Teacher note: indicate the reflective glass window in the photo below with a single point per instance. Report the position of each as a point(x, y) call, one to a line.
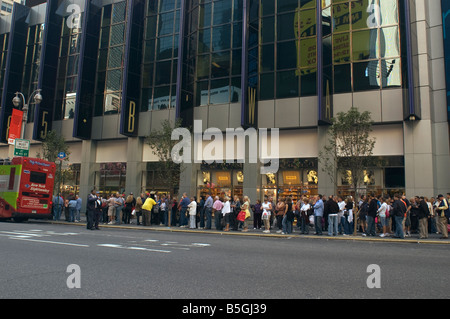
point(287, 55)
point(287, 84)
point(390, 42)
point(266, 86)
point(221, 37)
point(219, 92)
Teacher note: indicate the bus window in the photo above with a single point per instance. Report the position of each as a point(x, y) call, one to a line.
point(38, 177)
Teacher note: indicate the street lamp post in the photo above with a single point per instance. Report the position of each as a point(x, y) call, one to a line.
point(16, 102)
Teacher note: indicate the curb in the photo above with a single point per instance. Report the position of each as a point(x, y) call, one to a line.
point(231, 233)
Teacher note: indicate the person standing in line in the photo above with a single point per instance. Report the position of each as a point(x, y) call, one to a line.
point(442, 210)
point(348, 214)
point(58, 204)
point(78, 208)
point(226, 212)
point(362, 216)
point(127, 208)
point(246, 208)
point(147, 210)
point(111, 208)
point(208, 211)
point(183, 206)
point(217, 210)
point(174, 209)
point(414, 214)
point(318, 214)
point(382, 211)
point(333, 210)
point(280, 210)
point(72, 208)
point(407, 219)
point(97, 212)
point(192, 208)
point(341, 217)
point(267, 211)
point(66, 210)
point(118, 204)
point(164, 207)
point(201, 209)
point(288, 217)
point(431, 221)
point(399, 211)
point(423, 215)
point(138, 209)
point(90, 209)
point(236, 208)
point(257, 215)
point(371, 215)
point(304, 218)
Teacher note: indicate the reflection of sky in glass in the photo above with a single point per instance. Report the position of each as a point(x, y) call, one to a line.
point(389, 42)
point(388, 12)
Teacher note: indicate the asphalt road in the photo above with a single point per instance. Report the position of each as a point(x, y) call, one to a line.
point(145, 264)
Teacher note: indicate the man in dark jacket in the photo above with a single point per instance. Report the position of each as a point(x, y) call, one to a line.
point(371, 214)
point(332, 208)
point(422, 215)
point(90, 209)
point(399, 211)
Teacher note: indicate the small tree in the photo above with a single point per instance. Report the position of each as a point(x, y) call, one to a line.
point(349, 148)
point(162, 144)
point(53, 144)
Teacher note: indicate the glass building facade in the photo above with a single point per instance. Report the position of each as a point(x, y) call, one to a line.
point(126, 65)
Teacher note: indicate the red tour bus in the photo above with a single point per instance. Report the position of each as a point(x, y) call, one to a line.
point(26, 188)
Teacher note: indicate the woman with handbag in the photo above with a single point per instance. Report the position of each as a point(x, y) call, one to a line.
point(244, 214)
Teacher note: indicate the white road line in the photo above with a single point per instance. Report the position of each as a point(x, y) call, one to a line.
point(134, 248)
point(19, 233)
point(50, 242)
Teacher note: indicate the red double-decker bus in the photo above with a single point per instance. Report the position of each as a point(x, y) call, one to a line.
point(26, 188)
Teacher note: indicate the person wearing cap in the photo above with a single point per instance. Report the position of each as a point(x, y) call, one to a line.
point(442, 210)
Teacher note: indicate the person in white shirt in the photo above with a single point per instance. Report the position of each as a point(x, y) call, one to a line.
point(304, 218)
point(192, 207)
point(267, 209)
point(382, 215)
point(341, 217)
point(226, 212)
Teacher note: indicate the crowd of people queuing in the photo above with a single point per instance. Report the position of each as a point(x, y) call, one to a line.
point(371, 215)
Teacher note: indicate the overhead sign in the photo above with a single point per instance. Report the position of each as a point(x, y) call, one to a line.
point(21, 147)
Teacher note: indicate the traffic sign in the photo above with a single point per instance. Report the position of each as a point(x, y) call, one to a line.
point(21, 147)
point(61, 156)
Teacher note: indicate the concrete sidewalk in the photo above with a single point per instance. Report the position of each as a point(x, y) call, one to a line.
point(414, 238)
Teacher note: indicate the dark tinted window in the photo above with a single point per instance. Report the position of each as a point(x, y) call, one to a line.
point(38, 177)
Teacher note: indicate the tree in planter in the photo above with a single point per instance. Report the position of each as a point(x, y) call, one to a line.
point(161, 144)
point(53, 144)
point(349, 148)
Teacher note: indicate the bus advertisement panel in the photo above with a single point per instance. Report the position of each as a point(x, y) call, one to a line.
point(26, 187)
